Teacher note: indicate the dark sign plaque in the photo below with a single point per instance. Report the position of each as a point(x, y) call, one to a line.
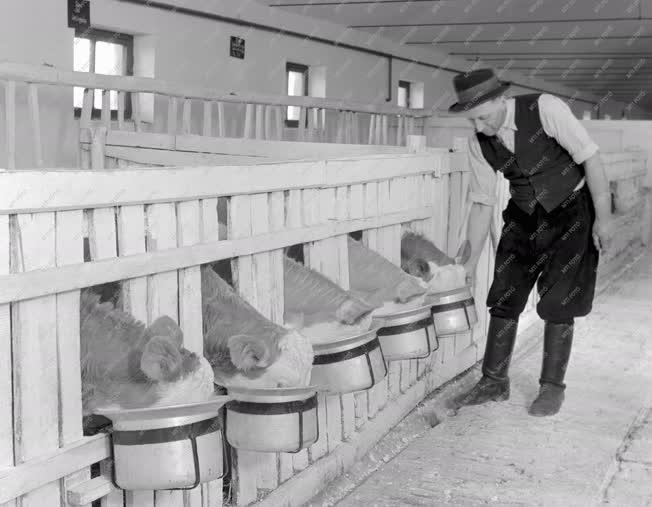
point(79, 13)
point(237, 47)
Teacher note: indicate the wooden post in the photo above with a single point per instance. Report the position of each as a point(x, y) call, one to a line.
point(221, 120)
point(106, 109)
point(131, 240)
point(10, 123)
point(36, 123)
point(135, 111)
point(208, 119)
point(172, 115)
point(249, 122)
point(186, 116)
point(6, 368)
point(98, 144)
point(260, 111)
point(34, 349)
point(121, 110)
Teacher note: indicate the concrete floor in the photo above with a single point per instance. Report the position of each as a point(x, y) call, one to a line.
point(596, 451)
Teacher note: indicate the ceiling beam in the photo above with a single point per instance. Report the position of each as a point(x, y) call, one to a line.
point(342, 4)
point(533, 38)
point(510, 22)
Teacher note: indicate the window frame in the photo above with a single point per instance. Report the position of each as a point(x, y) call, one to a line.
point(97, 35)
point(406, 85)
point(295, 67)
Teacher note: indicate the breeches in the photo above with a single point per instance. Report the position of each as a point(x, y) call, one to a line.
point(553, 249)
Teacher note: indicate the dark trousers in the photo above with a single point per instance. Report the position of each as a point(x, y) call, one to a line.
point(555, 250)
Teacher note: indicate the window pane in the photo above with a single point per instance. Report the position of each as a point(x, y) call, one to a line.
point(295, 83)
point(294, 113)
point(81, 63)
point(402, 97)
point(108, 60)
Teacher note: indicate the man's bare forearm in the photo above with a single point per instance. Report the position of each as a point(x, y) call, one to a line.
point(598, 183)
point(479, 220)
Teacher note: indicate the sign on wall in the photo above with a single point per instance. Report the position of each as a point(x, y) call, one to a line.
point(79, 13)
point(237, 47)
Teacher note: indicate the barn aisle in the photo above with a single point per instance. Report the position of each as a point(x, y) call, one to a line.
point(596, 451)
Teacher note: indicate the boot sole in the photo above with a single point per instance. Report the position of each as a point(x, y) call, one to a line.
point(497, 398)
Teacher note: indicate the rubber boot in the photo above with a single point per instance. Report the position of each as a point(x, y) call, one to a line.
point(557, 343)
point(494, 384)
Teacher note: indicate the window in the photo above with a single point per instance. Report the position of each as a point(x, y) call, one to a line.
point(403, 97)
point(103, 53)
point(297, 85)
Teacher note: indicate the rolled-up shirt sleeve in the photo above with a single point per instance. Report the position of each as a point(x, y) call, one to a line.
point(559, 122)
point(482, 186)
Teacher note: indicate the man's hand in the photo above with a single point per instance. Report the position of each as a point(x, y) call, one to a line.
point(469, 268)
point(600, 234)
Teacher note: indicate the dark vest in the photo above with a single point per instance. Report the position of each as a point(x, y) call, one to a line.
point(540, 170)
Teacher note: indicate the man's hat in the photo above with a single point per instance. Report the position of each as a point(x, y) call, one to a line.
point(475, 87)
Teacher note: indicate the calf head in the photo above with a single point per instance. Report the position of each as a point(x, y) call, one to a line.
point(243, 347)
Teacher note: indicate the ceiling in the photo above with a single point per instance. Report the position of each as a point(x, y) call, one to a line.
point(599, 46)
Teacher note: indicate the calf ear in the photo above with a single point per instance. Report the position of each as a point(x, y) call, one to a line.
point(161, 359)
point(165, 326)
point(249, 352)
point(464, 253)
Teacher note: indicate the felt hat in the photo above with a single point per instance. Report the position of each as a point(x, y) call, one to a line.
point(475, 87)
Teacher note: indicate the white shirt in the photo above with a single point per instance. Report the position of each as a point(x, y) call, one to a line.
point(558, 122)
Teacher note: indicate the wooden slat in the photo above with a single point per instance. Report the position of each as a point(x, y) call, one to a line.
point(301, 132)
point(35, 119)
point(131, 241)
point(268, 123)
point(207, 129)
point(121, 110)
point(221, 120)
point(249, 122)
point(10, 123)
point(190, 318)
point(259, 121)
point(362, 204)
point(36, 397)
point(186, 113)
point(372, 128)
point(279, 122)
point(261, 274)
point(209, 231)
point(245, 463)
point(60, 190)
point(6, 370)
point(69, 250)
point(106, 109)
point(135, 111)
point(172, 115)
point(385, 130)
point(87, 108)
point(102, 242)
point(294, 219)
point(163, 296)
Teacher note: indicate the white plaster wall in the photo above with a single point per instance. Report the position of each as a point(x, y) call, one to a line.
point(183, 48)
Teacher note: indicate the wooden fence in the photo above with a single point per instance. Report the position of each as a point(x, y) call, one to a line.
point(181, 108)
point(152, 228)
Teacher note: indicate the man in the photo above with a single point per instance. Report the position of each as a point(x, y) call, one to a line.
point(554, 225)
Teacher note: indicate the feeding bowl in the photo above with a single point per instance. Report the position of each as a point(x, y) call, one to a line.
point(453, 311)
point(347, 365)
point(272, 419)
point(167, 447)
point(407, 334)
